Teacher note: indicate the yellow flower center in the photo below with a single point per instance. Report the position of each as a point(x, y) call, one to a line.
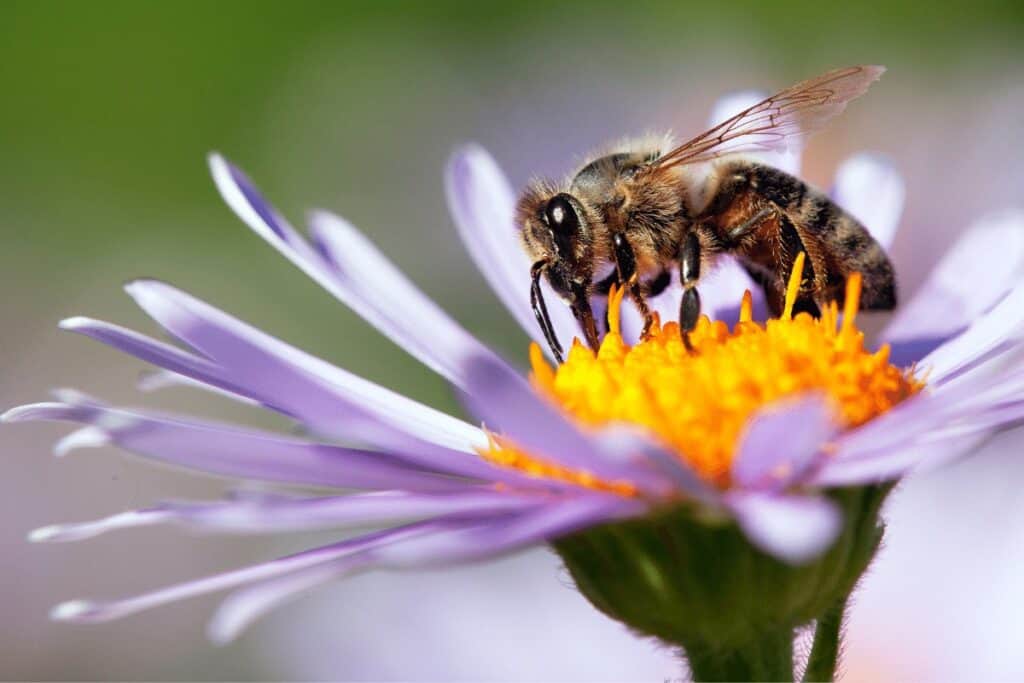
point(697, 403)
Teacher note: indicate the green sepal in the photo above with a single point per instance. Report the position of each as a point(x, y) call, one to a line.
point(696, 582)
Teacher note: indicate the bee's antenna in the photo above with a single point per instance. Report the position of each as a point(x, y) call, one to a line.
point(540, 309)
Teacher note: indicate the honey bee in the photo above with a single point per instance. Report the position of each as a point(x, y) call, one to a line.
point(649, 209)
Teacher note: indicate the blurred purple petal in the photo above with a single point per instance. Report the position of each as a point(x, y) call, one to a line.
point(889, 465)
point(155, 380)
point(976, 272)
point(781, 442)
point(674, 475)
point(482, 204)
point(302, 514)
point(794, 529)
point(491, 538)
point(88, 611)
point(245, 605)
point(507, 405)
point(316, 392)
point(721, 292)
point(1001, 328)
point(228, 450)
point(873, 191)
point(444, 546)
point(923, 428)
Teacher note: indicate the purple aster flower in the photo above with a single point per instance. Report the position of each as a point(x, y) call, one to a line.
point(599, 456)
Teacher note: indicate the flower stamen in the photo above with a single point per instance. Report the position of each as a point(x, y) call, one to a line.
point(698, 404)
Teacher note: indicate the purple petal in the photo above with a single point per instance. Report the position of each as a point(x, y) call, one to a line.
point(244, 606)
point(1001, 328)
point(508, 405)
point(318, 393)
point(781, 443)
point(348, 266)
point(489, 539)
point(443, 546)
point(82, 530)
point(926, 430)
point(302, 514)
point(721, 292)
point(630, 443)
point(794, 529)
point(89, 611)
point(245, 200)
point(156, 380)
point(873, 191)
point(376, 286)
point(231, 451)
point(482, 204)
point(976, 273)
point(895, 463)
point(734, 103)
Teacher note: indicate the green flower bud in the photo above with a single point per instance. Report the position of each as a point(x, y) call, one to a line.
point(695, 582)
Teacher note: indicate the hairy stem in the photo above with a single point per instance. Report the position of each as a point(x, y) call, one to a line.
point(821, 665)
point(770, 658)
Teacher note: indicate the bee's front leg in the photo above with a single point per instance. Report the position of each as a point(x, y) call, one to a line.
point(584, 314)
point(625, 266)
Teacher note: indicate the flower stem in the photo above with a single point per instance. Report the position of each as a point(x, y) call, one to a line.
point(828, 637)
point(768, 659)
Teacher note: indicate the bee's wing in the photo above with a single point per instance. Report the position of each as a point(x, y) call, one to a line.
point(772, 123)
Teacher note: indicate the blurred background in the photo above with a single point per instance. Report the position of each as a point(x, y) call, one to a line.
point(107, 111)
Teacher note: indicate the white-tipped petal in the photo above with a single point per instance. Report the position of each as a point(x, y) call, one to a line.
point(86, 437)
point(82, 530)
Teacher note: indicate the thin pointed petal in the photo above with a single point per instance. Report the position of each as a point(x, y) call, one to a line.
point(482, 204)
point(506, 404)
point(87, 611)
point(384, 297)
point(228, 450)
point(977, 272)
point(470, 543)
point(302, 514)
point(405, 313)
point(250, 362)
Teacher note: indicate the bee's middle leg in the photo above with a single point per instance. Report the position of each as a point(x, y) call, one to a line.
point(689, 274)
point(625, 266)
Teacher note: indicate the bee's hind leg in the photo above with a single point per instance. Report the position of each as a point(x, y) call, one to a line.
point(625, 266)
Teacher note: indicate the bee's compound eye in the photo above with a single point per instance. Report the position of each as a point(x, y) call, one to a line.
point(562, 216)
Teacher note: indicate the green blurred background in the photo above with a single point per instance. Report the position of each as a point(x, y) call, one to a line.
point(107, 110)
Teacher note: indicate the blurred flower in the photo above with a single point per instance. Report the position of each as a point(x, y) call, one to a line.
point(790, 428)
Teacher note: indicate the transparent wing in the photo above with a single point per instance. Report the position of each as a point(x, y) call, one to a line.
point(770, 125)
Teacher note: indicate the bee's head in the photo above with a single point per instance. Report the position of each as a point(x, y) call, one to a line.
point(555, 231)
